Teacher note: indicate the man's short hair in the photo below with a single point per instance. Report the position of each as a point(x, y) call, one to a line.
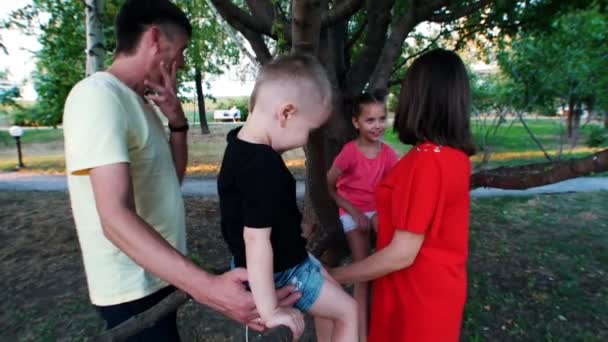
point(135, 16)
point(293, 67)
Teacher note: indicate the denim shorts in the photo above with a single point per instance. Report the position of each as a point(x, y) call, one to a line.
point(306, 277)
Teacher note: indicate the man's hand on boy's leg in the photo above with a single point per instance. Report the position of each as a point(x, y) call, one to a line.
point(288, 295)
point(227, 294)
point(289, 317)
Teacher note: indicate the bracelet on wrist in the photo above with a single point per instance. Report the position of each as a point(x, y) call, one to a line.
point(183, 128)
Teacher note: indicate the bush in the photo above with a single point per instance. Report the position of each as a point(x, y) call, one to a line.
point(33, 116)
point(597, 137)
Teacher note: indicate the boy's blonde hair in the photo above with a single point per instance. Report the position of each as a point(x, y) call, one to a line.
point(293, 68)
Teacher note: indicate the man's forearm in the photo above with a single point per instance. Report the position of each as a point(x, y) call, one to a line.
point(179, 150)
point(144, 245)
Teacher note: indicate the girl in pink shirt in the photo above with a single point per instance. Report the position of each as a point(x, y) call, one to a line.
point(352, 181)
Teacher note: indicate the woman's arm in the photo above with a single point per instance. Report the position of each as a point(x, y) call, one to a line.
point(399, 254)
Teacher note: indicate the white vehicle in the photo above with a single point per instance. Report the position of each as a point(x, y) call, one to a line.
point(232, 114)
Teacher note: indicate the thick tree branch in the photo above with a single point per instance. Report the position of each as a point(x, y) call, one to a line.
point(379, 17)
point(341, 12)
point(171, 303)
point(231, 31)
point(399, 31)
point(410, 57)
point(418, 13)
point(254, 37)
point(528, 176)
point(234, 14)
point(269, 15)
point(306, 26)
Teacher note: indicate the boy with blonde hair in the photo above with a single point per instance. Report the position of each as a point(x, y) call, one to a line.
point(261, 221)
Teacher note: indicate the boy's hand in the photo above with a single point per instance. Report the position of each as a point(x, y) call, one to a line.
point(289, 317)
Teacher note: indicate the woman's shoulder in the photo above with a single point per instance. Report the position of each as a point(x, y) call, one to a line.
point(434, 155)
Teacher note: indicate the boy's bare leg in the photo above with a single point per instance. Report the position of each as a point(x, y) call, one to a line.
point(358, 241)
point(323, 329)
point(337, 307)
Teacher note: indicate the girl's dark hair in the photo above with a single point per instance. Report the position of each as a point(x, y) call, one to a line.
point(365, 99)
point(435, 102)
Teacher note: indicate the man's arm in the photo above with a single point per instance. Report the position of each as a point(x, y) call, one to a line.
point(123, 227)
point(167, 101)
point(179, 150)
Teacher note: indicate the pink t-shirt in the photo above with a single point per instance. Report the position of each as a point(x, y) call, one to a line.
point(360, 174)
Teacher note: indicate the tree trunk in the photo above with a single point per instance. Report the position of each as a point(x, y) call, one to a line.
point(570, 118)
point(606, 119)
point(95, 49)
point(576, 124)
point(200, 99)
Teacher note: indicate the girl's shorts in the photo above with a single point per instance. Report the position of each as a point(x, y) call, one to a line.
point(349, 224)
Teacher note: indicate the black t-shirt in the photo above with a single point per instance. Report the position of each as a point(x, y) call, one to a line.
point(257, 190)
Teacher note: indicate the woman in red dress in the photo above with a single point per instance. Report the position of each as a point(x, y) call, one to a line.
point(423, 210)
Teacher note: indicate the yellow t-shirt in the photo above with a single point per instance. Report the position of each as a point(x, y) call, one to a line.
point(106, 122)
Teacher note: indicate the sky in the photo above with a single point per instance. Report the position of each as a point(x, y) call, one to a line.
point(20, 61)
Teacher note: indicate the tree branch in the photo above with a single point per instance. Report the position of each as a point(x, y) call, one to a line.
point(234, 14)
point(399, 31)
point(342, 11)
point(268, 14)
point(306, 26)
point(228, 11)
point(379, 17)
point(533, 175)
point(231, 31)
point(427, 48)
point(171, 303)
point(402, 27)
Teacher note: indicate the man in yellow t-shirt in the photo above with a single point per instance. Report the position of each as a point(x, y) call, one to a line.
point(124, 178)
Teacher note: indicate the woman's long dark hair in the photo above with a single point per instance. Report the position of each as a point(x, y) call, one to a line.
point(435, 102)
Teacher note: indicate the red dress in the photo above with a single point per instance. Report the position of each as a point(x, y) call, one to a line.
point(426, 193)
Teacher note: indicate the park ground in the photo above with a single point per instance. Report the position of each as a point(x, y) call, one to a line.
point(538, 267)
point(510, 144)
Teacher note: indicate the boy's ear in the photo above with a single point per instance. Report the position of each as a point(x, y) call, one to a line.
point(286, 112)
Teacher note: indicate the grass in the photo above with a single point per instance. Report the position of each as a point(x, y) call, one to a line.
point(508, 145)
point(538, 267)
point(33, 135)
